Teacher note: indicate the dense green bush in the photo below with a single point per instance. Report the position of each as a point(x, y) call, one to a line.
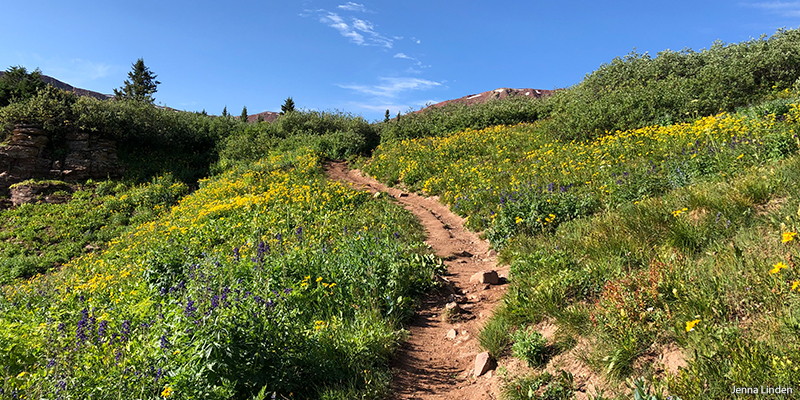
point(439, 121)
point(331, 134)
point(186, 143)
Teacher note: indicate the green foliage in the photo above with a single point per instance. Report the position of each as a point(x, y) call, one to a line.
point(16, 84)
point(494, 336)
point(334, 135)
point(140, 85)
point(529, 346)
point(243, 117)
point(439, 121)
point(188, 141)
point(35, 238)
point(543, 386)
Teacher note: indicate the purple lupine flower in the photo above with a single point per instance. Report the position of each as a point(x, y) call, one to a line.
point(101, 331)
point(287, 290)
point(164, 342)
point(214, 302)
point(82, 328)
point(299, 232)
point(126, 329)
point(236, 254)
point(190, 308)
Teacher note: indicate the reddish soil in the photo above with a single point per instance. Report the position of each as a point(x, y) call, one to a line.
point(429, 365)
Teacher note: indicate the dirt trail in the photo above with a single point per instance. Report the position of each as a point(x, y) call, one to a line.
point(430, 365)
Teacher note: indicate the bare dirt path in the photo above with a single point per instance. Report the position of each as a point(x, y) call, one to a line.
point(431, 365)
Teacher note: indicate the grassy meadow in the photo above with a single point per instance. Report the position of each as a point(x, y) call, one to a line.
point(678, 235)
point(270, 279)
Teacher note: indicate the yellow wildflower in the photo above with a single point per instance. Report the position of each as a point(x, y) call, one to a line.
point(788, 236)
point(519, 220)
point(691, 324)
point(777, 268)
point(795, 284)
point(166, 392)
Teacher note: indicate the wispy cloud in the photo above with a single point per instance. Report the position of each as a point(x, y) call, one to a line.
point(403, 56)
point(350, 6)
point(391, 87)
point(334, 21)
point(783, 8)
point(359, 31)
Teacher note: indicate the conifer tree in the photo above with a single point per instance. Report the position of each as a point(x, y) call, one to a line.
point(244, 114)
point(140, 86)
point(225, 111)
point(17, 84)
point(288, 106)
point(386, 117)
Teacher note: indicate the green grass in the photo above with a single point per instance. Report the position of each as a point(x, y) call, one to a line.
point(35, 238)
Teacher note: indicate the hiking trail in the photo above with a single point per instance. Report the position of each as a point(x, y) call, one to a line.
point(432, 363)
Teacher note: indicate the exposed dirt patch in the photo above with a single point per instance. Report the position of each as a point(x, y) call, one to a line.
point(430, 365)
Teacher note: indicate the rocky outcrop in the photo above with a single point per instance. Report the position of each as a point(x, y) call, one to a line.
point(27, 156)
point(45, 191)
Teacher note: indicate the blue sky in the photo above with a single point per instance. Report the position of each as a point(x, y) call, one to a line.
point(364, 56)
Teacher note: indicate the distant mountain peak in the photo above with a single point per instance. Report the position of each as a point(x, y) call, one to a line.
point(500, 93)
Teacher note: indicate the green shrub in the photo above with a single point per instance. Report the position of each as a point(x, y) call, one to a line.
point(529, 346)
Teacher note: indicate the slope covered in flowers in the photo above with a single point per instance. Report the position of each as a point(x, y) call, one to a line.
point(268, 278)
point(678, 236)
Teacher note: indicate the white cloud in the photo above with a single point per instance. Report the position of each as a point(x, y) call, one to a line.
point(390, 87)
point(336, 22)
point(784, 8)
point(359, 31)
point(402, 55)
point(350, 6)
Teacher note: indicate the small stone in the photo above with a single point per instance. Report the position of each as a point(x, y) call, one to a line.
point(377, 195)
point(402, 194)
point(491, 253)
point(483, 363)
point(451, 334)
point(486, 276)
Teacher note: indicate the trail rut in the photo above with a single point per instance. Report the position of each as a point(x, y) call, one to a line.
point(429, 365)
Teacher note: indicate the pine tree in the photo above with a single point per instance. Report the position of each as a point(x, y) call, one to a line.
point(260, 118)
point(17, 84)
point(288, 106)
point(225, 111)
point(386, 117)
point(243, 118)
point(140, 86)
